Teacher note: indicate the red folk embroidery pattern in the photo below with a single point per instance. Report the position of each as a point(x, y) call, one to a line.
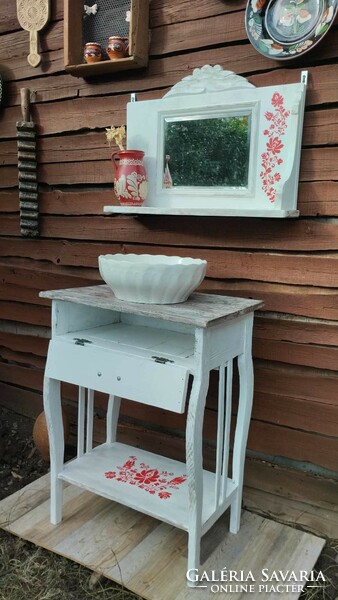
point(147, 479)
point(271, 157)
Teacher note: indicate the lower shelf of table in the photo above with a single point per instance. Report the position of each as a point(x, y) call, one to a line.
point(147, 482)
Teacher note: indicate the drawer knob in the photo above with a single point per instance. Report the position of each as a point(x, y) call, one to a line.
point(118, 378)
point(99, 374)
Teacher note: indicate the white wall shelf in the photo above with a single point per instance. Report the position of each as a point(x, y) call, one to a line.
point(215, 145)
point(199, 212)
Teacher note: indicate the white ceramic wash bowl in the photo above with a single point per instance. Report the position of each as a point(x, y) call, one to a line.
point(152, 279)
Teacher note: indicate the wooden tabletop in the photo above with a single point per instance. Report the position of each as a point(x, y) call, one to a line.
point(201, 310)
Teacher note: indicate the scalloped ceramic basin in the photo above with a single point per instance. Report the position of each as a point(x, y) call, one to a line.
point(152, 279)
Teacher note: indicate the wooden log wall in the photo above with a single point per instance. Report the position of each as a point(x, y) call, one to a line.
point(290, 264)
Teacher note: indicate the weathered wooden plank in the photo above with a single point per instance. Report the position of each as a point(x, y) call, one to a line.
point(289, 443)
point(321, 128)
point(8, 153)
point(318, 198)
point(22, 293)
point(9, 177)
point(32, 360)
point(296, 382)
point(311, 301)
point(51, 119)
point(297, 341)
point(315, 199)
point(298, 354)
point(38, 276)
point(82, 202)
point(296, 414)
point(295, 513)
point(17, 67)
point(10, 225)
point(9, 201)
point(163, 12)
point(318, 164)
point(301, 269)
point(165, 72)
point(292, 496)
point(20, 376)
point(27, 402)
point(180, 36)
point(297, 330)
point(8, 18)
point(24, 343)
point(307, 301)
point(323, 76)
point(305, 235)
point(16, 311)
point(318, 270)
point(300, 486)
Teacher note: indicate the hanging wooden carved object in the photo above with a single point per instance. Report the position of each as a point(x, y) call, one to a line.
point(27, 164)
point(33, 15)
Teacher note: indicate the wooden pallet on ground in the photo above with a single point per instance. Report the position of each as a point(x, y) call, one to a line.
point(149, 557)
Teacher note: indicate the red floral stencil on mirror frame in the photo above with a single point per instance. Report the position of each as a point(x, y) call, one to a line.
point(271, 158)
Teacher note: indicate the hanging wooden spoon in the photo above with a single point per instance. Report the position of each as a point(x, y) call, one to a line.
point(33, 15)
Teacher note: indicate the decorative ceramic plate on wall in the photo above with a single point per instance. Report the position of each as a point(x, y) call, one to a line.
point(283, 29)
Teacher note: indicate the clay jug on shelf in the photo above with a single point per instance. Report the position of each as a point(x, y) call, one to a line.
point(92, 52)
point(130, 182)
point(117, 47)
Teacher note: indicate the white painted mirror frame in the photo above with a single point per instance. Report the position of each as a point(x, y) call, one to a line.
point(275, 147)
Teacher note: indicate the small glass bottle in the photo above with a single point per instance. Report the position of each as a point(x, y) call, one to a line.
point(167, 180)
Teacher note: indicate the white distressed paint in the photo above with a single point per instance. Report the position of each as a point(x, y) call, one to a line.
point(148, 356)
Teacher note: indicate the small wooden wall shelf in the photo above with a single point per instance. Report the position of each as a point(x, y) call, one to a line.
point(74, 40)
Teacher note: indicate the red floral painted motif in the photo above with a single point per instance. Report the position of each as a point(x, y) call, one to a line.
point(150, 480)
point(271, 158)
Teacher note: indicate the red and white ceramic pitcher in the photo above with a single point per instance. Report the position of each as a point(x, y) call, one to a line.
point(130, 182)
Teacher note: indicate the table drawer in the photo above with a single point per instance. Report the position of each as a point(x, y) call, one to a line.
point(133, 377)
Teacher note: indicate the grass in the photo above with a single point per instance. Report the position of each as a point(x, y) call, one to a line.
point(328, 565)
point(31, 573)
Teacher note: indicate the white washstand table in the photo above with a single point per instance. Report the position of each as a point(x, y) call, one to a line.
point(147, 353)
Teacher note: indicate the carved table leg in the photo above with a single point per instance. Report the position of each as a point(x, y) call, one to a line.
point(194, 461)
point(52, 407)
point(245, 369)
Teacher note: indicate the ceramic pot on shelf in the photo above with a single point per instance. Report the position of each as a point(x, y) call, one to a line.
point(130, 182)
point(40, 433)
point(92, 52)
point(117, 47)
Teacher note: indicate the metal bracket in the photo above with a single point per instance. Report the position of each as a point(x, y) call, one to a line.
point(162, 360)
point(304, 77)
point(133, 97)
point(81, 341)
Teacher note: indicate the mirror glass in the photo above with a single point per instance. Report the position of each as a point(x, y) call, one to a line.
point(207, 152)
